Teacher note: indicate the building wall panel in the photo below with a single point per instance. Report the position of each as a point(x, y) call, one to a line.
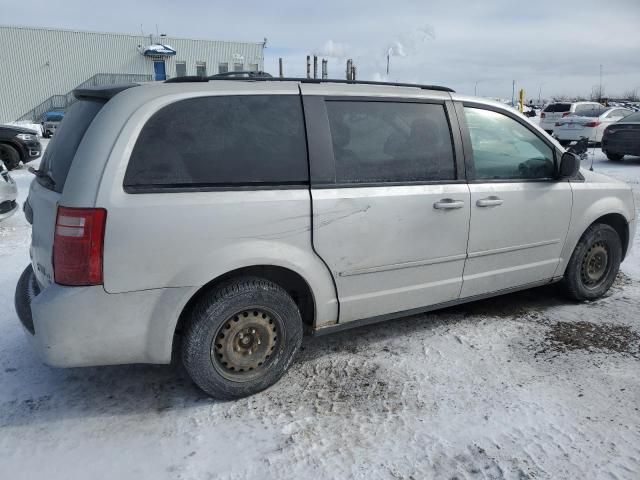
point(36, 63)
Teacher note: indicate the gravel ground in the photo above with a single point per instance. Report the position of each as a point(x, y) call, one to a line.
point(527, 385)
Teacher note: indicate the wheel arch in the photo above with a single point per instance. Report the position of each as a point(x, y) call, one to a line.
point(619, 223)
point(16, 146)
point(293, 282)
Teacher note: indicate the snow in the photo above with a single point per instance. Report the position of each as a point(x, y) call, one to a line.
point(478, 391)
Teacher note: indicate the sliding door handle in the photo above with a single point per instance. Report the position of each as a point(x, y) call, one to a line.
point(489, 202)
point(448, 204)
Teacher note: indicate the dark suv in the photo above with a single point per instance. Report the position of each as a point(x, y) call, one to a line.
point(18, 144)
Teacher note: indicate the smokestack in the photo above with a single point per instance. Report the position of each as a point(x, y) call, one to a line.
point(280, 67)
point(349, 62)
point(315, 66)
point(325, 75)
point(308, 66)
point(353, 72)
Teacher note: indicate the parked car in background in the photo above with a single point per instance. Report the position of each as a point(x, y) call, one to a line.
point(18, 144)
point(8, 193)
point(622, 138)
point(372, 202)
point(589, 124)
point(557, 110)
point(50, 122)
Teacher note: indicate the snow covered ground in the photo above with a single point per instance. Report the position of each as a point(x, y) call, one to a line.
point(527, 385)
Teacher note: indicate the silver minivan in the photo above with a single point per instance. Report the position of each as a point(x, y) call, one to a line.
point(217, 220)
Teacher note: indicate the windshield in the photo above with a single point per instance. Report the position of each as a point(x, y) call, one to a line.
point(59, 154)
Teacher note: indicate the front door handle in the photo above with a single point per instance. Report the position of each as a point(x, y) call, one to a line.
point(448, 204)
point(489, 202)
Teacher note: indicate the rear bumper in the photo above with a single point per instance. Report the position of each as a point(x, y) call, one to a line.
point(624, 147)
point(575, 134)
point(30, 151)
point(86, 326)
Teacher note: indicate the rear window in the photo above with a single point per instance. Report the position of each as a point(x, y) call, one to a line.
point(59, 154)
point(557, 107)
point(221, 141)
point(376, 142)
point(596, 112)
point(634, 117)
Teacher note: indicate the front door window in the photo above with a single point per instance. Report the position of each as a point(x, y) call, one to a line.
point(503, 149)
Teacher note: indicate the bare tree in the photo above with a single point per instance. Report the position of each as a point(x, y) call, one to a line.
point(597, 93)
point(632, 95)
point(560, 98)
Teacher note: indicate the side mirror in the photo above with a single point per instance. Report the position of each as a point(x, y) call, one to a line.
point(569, 165)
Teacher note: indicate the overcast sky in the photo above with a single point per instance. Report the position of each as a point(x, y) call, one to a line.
point(552, 45)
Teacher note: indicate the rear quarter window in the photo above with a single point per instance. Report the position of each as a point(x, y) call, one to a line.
point(221, 141)
point(59, 154)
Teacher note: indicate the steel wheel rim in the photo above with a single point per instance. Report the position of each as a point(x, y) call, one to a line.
point(246, 344)
point(595, 265)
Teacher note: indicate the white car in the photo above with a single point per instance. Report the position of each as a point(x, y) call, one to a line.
point(553, 112)
point(8, 193)
point(588, 124)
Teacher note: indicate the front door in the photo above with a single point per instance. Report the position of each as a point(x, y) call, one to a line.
point(519, 213)
point(159, 70)
point(390, 209)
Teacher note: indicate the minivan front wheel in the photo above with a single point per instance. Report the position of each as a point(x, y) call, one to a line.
point(241, 338)
point(594, 264)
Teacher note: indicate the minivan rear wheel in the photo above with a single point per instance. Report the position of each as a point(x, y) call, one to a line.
point(614, 157)
point(241, 338)
point(9, 156)
point(594, 264)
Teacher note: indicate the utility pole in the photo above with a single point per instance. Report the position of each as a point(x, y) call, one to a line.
point(475, 89)
point(513, 93)
point(600, 91)
point(280, 67)
point(540, 95)
point(388, 61)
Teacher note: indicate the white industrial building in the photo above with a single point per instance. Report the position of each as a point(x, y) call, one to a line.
point(40, 67)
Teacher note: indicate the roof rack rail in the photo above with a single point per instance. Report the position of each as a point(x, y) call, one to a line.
point(262, 77)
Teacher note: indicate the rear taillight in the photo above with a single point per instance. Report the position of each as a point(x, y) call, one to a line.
point(78, 245)
point(566, 114)
point(542, 115)
point(592, 124)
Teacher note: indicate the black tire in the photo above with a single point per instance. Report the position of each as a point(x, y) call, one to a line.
point(594, 264)
point(9, 156)
point(614, 157)
point(26, 289)
point(203, 348)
